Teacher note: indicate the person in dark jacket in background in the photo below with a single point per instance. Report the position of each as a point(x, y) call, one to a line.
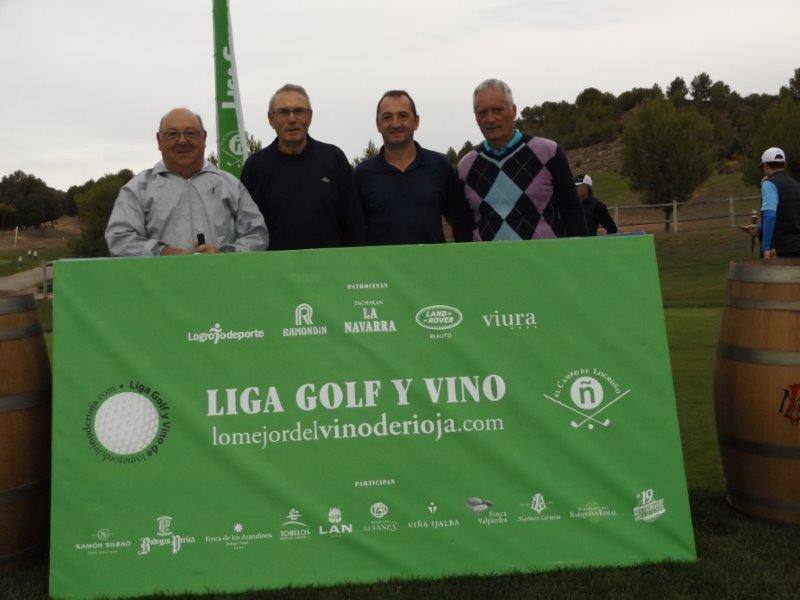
point(595, 211)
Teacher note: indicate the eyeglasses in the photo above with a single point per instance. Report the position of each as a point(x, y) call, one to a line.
point(190, 134)
point(298, 112)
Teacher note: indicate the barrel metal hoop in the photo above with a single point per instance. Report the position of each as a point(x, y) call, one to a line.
point(17, 333)
point(25, 554)
point(760, 448)
point(757, 356)
point(761, 273)
point(761, 501)
point(23, 401)
point(17, 304)
point(12, 494)
point(751, 303)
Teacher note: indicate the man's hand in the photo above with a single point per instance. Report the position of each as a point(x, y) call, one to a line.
point(751, 229)
point(170, 250)
point(205, 248)
point(770, 253)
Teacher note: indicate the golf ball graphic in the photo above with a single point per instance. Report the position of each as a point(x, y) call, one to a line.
point(126, 423)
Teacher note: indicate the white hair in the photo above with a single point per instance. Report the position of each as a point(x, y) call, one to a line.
point(495, 84)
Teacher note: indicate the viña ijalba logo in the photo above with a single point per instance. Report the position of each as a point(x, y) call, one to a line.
point(587, 393)
point(304, 323)
point(216, 333)
point(649, 508)
point(127, 422)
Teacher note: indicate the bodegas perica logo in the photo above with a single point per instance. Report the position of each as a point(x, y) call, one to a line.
point(127, 422)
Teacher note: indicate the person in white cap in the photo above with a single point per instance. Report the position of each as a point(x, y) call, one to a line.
point(594, 210)
point(780, 208)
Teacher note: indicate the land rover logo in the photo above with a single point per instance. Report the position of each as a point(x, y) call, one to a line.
point(439, 317)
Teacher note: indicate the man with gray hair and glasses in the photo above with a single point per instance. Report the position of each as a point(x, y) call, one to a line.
point(184, 204)
point(518, 187)
point(303, 187)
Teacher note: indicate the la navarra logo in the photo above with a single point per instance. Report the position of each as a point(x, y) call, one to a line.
point(127, 422)
point(586, 393)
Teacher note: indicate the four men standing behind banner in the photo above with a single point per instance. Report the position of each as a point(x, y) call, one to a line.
point(511, 187)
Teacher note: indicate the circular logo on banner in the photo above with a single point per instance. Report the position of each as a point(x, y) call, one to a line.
point(586, 393)
point(127, 423)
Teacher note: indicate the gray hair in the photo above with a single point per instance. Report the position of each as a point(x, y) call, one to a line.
point(495, 84)
point(197, 116)
point(288, 87)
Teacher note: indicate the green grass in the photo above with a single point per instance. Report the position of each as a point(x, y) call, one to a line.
point(8, 258)
point(738, 557)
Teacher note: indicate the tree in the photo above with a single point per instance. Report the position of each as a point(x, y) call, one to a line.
point(701, 85)
point(677, 91)
point(666, 153)
point(452, 156)
point(94, 208)
point(34, 203)
point(465, 149)
point(781, 128)
point(370, 151)
point(794, 85)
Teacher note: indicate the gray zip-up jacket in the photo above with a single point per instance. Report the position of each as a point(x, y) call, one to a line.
point(159, 208)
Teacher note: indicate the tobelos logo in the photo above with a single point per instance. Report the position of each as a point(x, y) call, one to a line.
point(439, 317)
point(584, 392)
point(127, 426)
point(216, 333)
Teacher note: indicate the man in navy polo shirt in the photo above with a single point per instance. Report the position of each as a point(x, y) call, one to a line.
point(405, 190)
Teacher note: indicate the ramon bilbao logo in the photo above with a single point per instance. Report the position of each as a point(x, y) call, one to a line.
point(586, 393)
point(127, 423)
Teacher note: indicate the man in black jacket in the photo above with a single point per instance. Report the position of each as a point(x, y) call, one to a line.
point(595, 211)
point(303, 187)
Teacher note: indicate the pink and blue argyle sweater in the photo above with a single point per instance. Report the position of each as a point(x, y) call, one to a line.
point(527, 193)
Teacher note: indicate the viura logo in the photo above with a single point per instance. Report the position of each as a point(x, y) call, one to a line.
point(216, 333)
point(510, 320)
point(439, 318)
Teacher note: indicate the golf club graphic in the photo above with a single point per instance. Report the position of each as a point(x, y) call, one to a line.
point(587, 418)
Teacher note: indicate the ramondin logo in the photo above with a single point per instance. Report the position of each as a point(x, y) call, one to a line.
point(586, 393)
point(304, 323)
point(439, 317)
point(127, 423)
point(217, 333)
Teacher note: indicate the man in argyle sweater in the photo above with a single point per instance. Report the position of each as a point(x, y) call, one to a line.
point(518, 187)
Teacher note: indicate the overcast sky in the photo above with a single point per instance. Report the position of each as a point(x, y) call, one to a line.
point(84, 82)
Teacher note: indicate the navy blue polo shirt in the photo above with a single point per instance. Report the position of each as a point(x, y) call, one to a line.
point(406, 207)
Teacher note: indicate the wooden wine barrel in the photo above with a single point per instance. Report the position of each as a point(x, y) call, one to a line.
point(24, 431)
point(757, 388)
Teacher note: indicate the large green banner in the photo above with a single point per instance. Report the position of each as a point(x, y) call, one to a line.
point(228, 422)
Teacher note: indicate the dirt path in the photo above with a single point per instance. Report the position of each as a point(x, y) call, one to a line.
point(25, 280)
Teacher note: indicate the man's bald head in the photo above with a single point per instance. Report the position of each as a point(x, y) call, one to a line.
point(182, 141)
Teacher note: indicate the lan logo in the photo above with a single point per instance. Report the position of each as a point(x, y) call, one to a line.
point(790, 405)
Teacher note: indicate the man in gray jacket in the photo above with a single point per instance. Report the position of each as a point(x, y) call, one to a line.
point(184, 204)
